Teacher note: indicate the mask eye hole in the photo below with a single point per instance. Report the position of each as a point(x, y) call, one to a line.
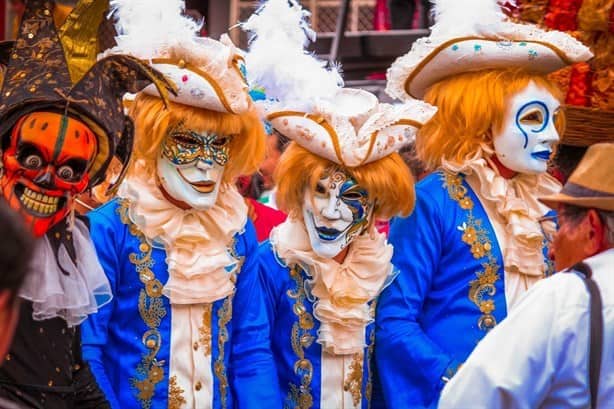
point(220, 141)
point(185, 139)
point(320, 189)
point(352, 196)
point(30, 157)
point(72, 170)
point(532, 117)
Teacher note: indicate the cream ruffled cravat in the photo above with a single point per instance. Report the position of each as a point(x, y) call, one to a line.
point(200, 264)
point(515, 201)
point(342, 291)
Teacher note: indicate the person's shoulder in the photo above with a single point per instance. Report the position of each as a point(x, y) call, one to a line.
point(105, 214)
point(270, 264)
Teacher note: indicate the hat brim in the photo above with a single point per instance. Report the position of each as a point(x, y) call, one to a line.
point(197, 88)
point(470, 54)
point(602, 203)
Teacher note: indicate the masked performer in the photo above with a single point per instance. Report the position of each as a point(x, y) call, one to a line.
point(187, 327)
point(325, 266)
point(473, 245)
point(61, 121)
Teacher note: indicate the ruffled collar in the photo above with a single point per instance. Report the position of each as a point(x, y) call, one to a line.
point(81, 289)
point(515, 202)
point(342, 292)
point(198, 244)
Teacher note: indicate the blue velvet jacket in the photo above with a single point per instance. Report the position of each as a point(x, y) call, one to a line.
point(128, 342)
point(294, 331)
point(449, 293)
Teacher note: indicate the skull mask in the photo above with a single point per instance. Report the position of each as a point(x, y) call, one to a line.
point(46, 162)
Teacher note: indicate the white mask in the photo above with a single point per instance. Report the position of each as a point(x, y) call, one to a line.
point(336, 213)
point(191, 166)
point(525, 142)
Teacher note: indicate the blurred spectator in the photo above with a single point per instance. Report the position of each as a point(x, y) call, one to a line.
point(408, 153)
point(566, 159)
point(15, 253)
point(402, 13)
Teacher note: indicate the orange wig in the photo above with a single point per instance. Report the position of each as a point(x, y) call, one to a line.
point(153, 121)
point(388, 181)
point(472, 106)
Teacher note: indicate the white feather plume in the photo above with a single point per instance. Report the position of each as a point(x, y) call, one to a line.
point(148, 27)
point(454, 18)
point(278, 62)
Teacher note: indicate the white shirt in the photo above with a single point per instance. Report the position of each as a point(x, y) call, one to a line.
point(538, 356)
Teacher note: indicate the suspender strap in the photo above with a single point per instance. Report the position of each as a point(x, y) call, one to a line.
point(596, 330)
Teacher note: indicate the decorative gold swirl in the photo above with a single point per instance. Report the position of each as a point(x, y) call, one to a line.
point(481, 289)
point(150, 371)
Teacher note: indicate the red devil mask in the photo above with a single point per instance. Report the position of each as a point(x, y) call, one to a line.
point(46, 163)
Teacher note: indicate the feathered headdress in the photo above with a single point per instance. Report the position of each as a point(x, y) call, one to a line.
point(208, 74)
point(49, 69)
point(306, 101)
point(473, 35)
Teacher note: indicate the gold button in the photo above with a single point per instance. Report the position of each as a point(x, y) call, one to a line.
point(46, 12)
point(151, 343)
point(32, 88)
point(57, 369)
point(77, 367)
point(487, 247)
point(7, 93)
point(57, 235)
point(181, 63)
point(198, 386)
point(195, 346)
point(30, 35)
point(50, 383)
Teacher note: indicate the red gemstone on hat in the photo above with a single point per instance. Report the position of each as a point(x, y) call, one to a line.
point(184, 78)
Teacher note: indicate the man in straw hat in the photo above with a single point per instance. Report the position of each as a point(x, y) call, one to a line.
point(548, 368)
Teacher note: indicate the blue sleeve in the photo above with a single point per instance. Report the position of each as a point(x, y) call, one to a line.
point(94, 329)
point(410, 364)
point(254, 375)
point(268, 269)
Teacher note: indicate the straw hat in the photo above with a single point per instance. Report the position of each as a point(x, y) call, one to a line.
point(591, 184)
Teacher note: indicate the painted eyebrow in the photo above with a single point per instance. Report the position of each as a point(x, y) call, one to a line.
point(522, 109)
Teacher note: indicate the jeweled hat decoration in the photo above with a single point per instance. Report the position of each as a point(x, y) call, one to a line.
point(474, 35)
point(56, 70)
point(306, 102)
point(208, 73)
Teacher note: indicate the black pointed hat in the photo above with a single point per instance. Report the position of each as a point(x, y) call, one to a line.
point(49, 69)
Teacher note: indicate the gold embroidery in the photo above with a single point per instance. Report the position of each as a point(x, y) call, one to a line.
point(205, 330)
point(475, 236)
point(175, 394)
point(353, 382)
point(300, 397)
point(224, 315)
point(150, 371)
point(370, 350)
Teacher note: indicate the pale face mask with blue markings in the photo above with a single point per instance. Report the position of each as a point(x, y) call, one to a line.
point(335, 213)
point(528, 134)
point(191, 166)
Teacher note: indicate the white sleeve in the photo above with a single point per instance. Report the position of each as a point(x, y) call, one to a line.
point(513, 366)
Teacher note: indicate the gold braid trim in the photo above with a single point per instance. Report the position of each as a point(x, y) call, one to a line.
point(481, 289)
point(150, 371)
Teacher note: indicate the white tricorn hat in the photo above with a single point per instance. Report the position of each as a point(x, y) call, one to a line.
point(208, 73)
point(352, 128)
point(306, 102)
point(473, 35)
